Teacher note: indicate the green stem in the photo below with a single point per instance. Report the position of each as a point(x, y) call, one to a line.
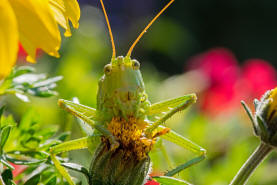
point(250, 165)
point(1, 181)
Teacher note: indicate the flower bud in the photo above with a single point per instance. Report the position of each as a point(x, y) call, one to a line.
point(113, 168)
point(129, 164)
point(265, 120)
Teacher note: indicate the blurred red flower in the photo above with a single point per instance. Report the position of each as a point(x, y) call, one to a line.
point(258, 76)
point(228, 81)
point(220, 68)
point(219, 65)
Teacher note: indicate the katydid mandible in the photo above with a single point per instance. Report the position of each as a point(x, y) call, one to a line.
point(122, 119)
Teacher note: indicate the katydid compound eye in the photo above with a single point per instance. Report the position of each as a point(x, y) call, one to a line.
point(136, 64)
point(108, 69)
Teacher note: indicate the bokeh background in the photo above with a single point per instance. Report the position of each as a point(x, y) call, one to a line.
point(225, 51)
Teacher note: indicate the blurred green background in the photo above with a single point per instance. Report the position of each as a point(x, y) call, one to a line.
point(220, 50)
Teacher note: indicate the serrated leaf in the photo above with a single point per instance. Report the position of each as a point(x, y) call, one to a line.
point(33, 180)
point(164, 180)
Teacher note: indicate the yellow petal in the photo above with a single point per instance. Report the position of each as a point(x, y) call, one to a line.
point(73, 12)
point(37, 27)
point(65, 10)
point(273, 103)
point(8, 38)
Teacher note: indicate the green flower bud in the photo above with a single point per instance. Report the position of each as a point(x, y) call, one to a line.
point(265, 120)
point(113, 168)
point(129, 164)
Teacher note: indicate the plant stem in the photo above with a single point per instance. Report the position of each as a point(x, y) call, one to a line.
point(250, 165)
point(1, 181)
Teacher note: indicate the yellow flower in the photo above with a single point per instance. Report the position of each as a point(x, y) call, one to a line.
point(34, 23)
point(265, 118)
point(272, 111)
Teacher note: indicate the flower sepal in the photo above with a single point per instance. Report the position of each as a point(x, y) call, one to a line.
point(265, 118)
point(111, 167)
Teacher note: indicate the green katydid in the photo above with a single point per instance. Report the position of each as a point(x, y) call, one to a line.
point(122, 121)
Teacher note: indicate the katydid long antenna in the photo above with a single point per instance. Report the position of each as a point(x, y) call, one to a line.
point(146, 28)
point(109, 27)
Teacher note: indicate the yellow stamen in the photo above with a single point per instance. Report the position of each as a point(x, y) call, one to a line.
point(130, 135)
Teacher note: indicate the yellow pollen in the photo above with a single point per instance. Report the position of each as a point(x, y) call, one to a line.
point(130, 135)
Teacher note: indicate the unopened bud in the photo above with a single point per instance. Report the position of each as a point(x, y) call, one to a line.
point(265, 120)
point(113, 168)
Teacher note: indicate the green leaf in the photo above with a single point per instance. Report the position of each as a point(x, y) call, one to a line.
point(7, 121)
point(250, 115)
point(22, 97)
point(48, 82)
point(4, 135)
point(28, 120)
point(2, 111)
point(22, 81)
point(33, 180)
point(63, 136)
point(35, 154)
point(52, 181)
point(164, 180)
point(262, 126)
point(77, 167)
point(24, 162)
point(22, 70)
point(7, 164)
point(26, 80)
point(7, 177)
point(256, 103)
point(41, 92)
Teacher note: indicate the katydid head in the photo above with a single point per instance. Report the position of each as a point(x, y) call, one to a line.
point(122, 78)
point(121, 89)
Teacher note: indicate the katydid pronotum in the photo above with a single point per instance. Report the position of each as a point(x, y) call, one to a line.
point(122, 121)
